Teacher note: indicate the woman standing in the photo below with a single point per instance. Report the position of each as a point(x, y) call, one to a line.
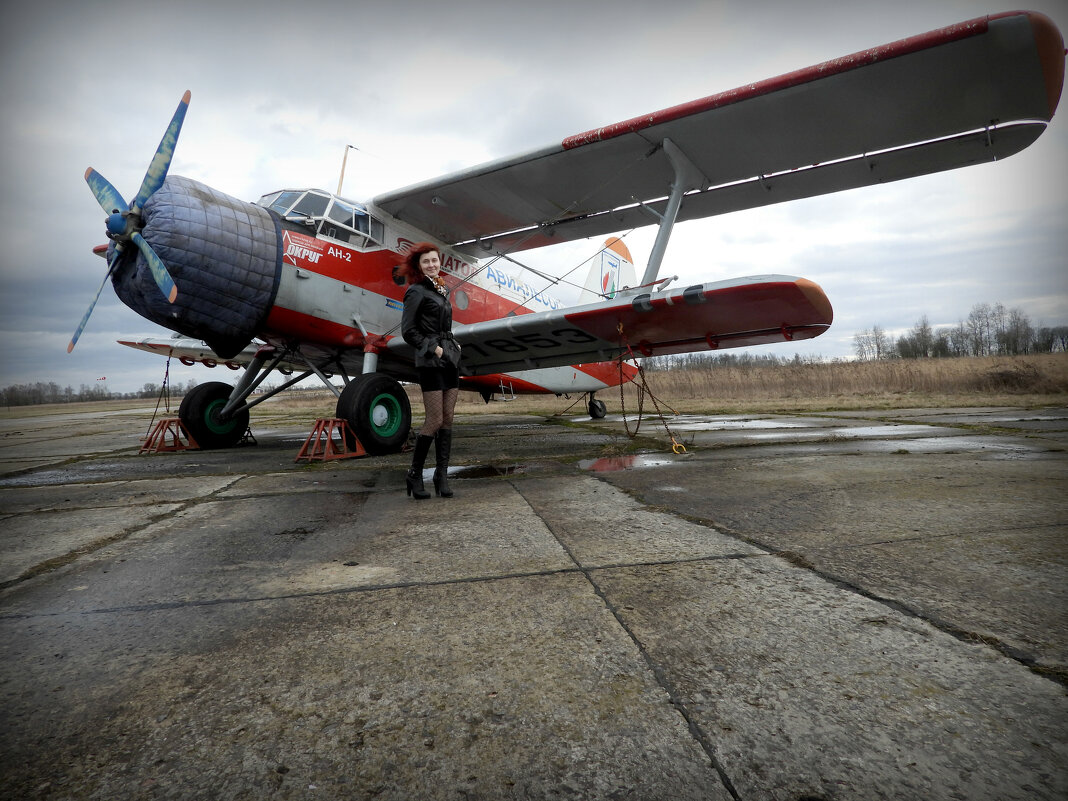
point(426, 325)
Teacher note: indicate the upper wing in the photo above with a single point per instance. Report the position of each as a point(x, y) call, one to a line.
point(725, 314)
point(969, 93)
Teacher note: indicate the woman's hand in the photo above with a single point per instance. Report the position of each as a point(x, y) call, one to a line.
point(438, 351)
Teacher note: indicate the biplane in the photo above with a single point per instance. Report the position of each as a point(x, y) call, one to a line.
point(305, 282)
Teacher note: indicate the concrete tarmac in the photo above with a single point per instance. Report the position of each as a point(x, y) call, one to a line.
point(862, 605)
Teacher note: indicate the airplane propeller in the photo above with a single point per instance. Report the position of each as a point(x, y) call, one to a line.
point(124, 220)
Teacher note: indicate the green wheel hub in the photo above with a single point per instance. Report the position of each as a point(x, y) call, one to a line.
point(386, 415)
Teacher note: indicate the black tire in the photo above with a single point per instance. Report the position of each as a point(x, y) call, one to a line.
point(597, 409)
point(377, 410)
point(199, 414)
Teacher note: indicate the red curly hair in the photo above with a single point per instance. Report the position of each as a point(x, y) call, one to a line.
point(410, 269)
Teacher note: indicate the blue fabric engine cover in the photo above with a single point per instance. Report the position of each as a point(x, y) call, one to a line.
point(224, 255)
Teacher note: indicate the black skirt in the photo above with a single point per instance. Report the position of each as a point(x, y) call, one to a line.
point(438, 379)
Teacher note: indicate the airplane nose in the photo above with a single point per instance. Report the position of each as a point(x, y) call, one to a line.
point(225, 253)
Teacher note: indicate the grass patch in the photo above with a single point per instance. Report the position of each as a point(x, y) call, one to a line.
point(1017, 382)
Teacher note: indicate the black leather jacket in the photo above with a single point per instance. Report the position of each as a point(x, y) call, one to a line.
point(427, 323)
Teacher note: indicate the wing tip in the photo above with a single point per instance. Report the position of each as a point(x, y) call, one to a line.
point(815, 295)
point(1051, 54)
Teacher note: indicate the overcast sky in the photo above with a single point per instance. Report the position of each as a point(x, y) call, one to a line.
point(426, 89)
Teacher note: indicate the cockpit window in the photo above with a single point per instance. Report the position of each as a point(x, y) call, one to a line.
point(282, 201)
point(342, 213)
point(311, 205)
point(330, 216)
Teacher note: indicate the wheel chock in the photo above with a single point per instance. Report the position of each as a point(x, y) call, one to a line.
point(168, 436)
point(321, 445)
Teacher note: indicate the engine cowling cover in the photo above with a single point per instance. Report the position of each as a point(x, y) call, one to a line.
point(224, 255)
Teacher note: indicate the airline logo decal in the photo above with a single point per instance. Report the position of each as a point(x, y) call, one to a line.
point(509, 282)
point(304, 248)
point(609, 274)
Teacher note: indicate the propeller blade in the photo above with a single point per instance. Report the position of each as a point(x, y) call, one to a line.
point(159, 270)
point(161, 162)
point(106, 195)
point(96, 297)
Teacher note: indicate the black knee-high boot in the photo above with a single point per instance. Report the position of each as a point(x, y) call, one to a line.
point(414, 479)
point(442, 450)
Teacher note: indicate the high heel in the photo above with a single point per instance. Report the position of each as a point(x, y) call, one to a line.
point(441, 485)
point(413, 480)
point(415, 486)
point(442, 452)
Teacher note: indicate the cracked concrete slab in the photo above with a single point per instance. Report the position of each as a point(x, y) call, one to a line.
point(800, 619)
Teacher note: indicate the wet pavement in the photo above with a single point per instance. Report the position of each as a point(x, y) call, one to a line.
point(857, 605)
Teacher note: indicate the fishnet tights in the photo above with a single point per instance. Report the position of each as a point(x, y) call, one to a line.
point(439, 406)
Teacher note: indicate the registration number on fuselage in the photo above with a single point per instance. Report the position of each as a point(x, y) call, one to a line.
point(557, 339)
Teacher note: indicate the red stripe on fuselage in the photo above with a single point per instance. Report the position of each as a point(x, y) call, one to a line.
point(608, 373)
point(374, 272)
point(290, 324)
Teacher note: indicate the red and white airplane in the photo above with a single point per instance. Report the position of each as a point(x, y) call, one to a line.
point(305, 281)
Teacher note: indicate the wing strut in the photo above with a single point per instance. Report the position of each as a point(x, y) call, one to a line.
point(687, 178)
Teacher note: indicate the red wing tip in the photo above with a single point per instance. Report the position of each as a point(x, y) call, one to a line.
point(70, 347)
point(142, 345)
point(88, 171)
point(186, 96)
point(818, 298)
point(174, 294)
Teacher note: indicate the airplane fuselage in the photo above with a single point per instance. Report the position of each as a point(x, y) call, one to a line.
point(323, 272)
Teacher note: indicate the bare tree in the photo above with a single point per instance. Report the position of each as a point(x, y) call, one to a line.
point(1018, 335)
point(862, 345)
point(979, 330)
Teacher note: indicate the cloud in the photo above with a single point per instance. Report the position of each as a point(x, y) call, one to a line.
point(425, 89)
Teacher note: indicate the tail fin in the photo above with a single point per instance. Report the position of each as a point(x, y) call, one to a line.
point(611, 271)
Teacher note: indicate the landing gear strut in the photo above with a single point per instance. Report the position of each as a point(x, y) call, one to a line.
point(374, 405)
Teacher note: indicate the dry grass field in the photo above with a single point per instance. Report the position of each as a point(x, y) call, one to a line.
point(1019, 381)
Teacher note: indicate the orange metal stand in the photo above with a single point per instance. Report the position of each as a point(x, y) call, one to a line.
point(321, 446)
point(167, 436)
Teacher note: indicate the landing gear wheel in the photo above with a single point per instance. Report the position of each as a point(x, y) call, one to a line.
point(377, 410)
point(597, 409)
point(200, 411)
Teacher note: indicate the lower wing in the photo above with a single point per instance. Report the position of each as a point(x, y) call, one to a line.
point(756, 310)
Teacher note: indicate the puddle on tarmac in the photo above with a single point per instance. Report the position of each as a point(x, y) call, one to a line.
point(78, 474)
point(487, 471)
point(882, 431)
point(611, 464)
point(848, 432)
point(695, 423)
point(962, 444)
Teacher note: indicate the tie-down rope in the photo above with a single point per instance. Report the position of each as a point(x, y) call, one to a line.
point(643, 390)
